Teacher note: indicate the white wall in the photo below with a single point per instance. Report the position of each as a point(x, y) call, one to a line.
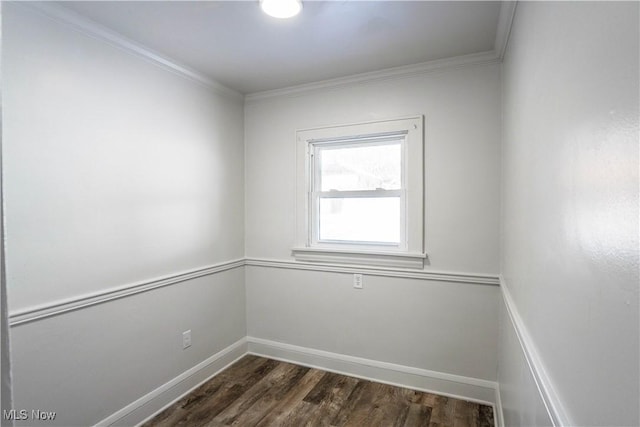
point(570, 216)
point(116, 172)
point(88, 364)
point(6, 392)
point(105, 148)
point(119, 172)
point(446, 327)
point(521, 402)
point(462, 113)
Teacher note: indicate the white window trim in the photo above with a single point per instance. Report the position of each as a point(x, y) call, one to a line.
point(410, 253)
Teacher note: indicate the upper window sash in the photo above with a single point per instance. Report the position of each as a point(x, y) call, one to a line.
point(318, 146)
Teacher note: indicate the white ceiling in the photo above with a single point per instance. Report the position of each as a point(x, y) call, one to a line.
point(237, 45)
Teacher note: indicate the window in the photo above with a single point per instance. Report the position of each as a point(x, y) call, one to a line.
point(360, 194)
point(357, 192)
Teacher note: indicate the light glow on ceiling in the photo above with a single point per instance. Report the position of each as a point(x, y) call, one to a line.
point(281, 8)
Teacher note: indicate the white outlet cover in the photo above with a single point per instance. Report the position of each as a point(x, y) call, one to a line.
point(357, 281)
point(186, 339)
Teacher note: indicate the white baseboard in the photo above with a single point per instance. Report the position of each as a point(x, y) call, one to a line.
point(498, 415)
point(152, 403)
point(456, 386)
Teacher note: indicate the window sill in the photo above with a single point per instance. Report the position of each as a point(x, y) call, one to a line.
point(354, 257)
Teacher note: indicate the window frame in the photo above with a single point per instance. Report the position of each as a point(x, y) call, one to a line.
point(409, 252)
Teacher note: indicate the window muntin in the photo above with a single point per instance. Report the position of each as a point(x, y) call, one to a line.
point(358, 192)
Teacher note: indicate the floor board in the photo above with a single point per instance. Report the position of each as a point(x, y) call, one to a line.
point(256, 391)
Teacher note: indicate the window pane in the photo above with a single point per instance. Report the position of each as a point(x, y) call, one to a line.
point(365, 167)
point(362, 219)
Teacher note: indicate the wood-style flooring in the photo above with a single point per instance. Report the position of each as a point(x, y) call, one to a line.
point(256, 391)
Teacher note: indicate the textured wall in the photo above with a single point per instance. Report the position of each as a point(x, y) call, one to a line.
point(117, 172)
point(424, 324)
point(462, 159)
point(115, 169)
point(570, 197)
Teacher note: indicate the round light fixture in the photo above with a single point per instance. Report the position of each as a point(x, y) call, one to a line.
point(281, 8)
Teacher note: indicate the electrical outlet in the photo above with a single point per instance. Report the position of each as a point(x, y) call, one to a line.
point(186, 339)
point(357, 281)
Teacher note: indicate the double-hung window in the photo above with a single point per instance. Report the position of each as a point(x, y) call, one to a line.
point(360, 194)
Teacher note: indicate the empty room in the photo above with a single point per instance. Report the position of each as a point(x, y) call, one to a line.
point(320, 213)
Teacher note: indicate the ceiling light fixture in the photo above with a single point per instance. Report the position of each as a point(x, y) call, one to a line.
point(281, 8)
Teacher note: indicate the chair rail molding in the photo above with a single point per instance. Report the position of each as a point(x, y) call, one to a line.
point(55, 308)
point(543, 381)
point(440, 276)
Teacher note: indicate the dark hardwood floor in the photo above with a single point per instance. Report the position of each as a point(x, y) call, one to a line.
point(256, 391)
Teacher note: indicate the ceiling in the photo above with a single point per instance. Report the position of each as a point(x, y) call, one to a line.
point(235, 44)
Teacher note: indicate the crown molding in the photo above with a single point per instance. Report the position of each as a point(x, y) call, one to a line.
point(505, 21)
point(91, 28)
point(489, 57)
